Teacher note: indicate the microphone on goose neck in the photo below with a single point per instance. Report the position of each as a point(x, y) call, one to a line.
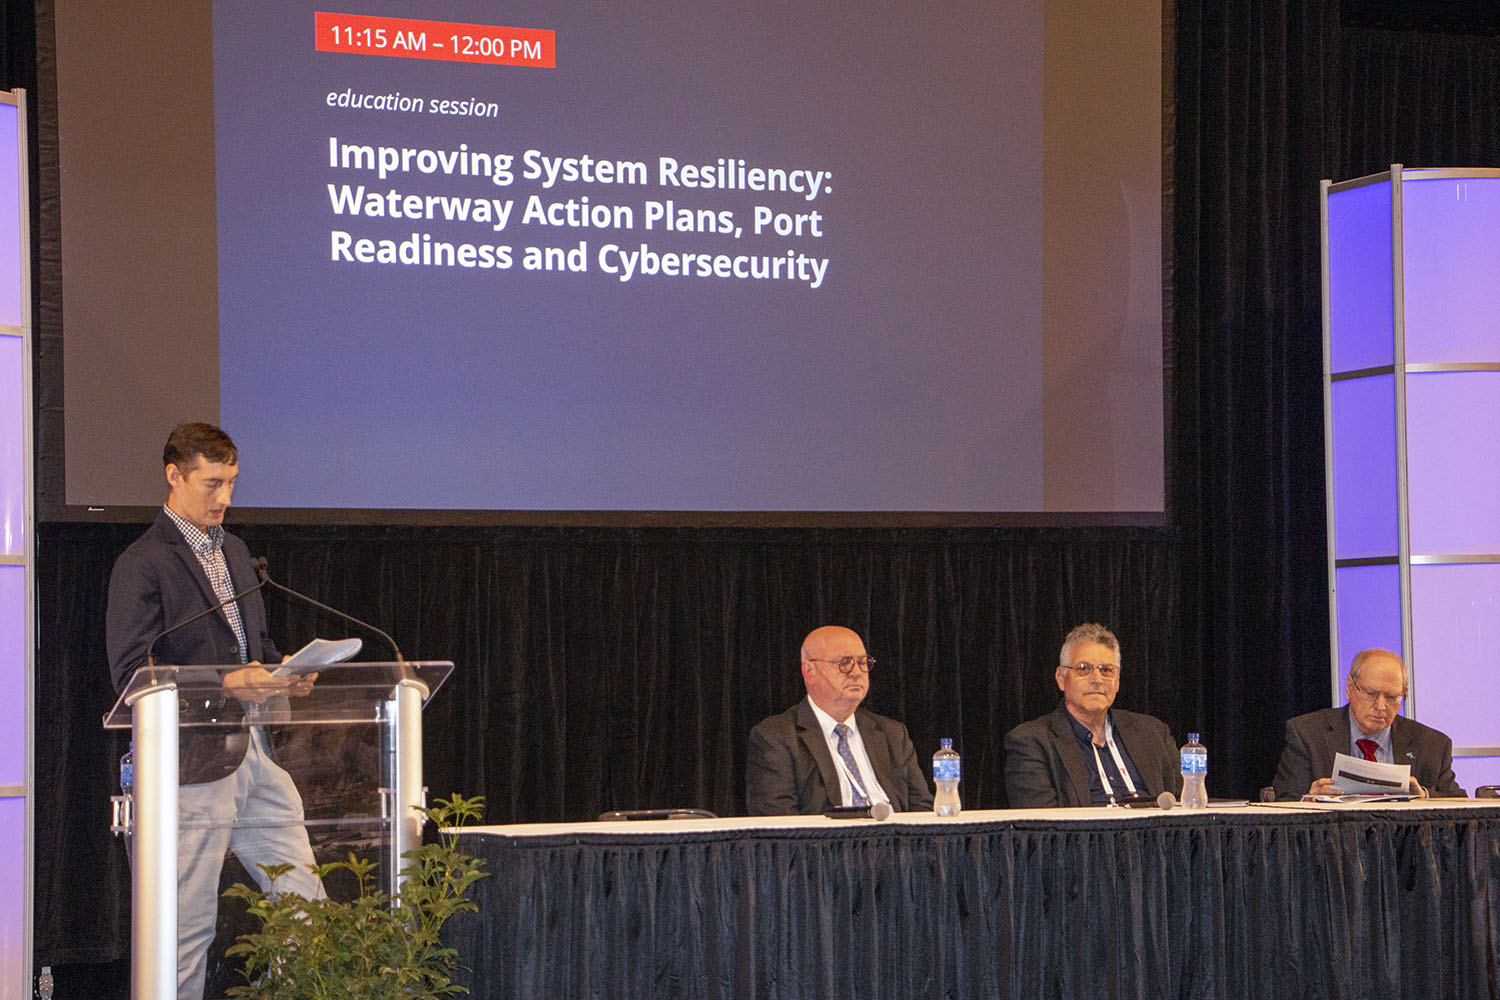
point(262, 571)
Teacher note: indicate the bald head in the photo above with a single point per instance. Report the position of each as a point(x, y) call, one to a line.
point(832, 690)
point(824, 637)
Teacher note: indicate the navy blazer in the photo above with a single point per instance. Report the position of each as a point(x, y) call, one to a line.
point(789, 770)
point(1313, 739)
point(158, 582)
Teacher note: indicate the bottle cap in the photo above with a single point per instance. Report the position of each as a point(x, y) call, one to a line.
point(1192, 737)
point(947, 742)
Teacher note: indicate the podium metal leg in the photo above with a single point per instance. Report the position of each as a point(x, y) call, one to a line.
point(404, 775)
point(153, 949)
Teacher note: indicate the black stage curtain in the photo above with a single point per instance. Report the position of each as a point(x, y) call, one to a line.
point(1424, 100)
point(1253, 92)
point(1256, 904)
point(610, 668)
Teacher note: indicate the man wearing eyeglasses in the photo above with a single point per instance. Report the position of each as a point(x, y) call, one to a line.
point(1369, 727)
point(826, 751)
point(1087, 752)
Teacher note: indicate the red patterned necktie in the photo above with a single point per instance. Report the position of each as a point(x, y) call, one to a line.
point(1367, 747)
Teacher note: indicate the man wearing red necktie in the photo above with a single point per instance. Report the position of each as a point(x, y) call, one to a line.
point(1369, 727)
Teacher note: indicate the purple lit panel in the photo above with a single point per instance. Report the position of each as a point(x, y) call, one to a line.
point(1475, 771)
point(1369, 613)
point(1455, 628)
point(1453, 462)
point(12, 448)
point(1451, 268)
point(12, 899)
point(12, 675)
point(1364, 467)
point(1361, 308)
point(10, 217)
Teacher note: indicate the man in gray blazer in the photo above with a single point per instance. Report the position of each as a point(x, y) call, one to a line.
point(1367, 727)
point(1087, 752)
point(826, 751)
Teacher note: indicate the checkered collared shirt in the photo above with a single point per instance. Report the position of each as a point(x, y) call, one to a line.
point(208, 547)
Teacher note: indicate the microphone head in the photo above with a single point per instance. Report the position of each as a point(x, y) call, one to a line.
point(1166, 800)
point(260, 565)
point(880, 810)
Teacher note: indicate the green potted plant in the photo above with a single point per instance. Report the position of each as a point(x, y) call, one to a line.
point(371, 947)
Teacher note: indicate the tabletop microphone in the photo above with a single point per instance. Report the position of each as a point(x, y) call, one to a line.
point(875, 810)
point(151, 661)
point(262, 571)
point(1166, 800)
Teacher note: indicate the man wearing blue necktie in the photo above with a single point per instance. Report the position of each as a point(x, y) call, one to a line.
point(1369, 727)
point(826, 751)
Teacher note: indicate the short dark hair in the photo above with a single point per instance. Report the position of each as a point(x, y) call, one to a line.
point(189, 441)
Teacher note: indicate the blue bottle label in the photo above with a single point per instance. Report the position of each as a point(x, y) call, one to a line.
point(1193, 763)
point(946, 769)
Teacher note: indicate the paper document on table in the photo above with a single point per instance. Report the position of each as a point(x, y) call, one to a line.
point(1368, 777)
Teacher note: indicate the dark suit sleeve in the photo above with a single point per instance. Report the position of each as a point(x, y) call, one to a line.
point(918, 794)
point(261, 638)
point(133, 616)
point(1168, 759)
point(1294, 773)
point(770, 781)
point(1028, 776)
point(1446, 785)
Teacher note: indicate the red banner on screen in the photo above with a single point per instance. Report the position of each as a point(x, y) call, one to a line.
point(405, 38)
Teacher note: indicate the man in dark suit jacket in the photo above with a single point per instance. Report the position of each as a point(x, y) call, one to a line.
point(1367, 727)
point(158, 582)
point(1086, 752)
point(232, 795)
point(792, 767)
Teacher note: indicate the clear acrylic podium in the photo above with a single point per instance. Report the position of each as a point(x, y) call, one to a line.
point(352, 743)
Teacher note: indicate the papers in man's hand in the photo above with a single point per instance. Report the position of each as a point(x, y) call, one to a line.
point(1368, 780)
point(318, 653)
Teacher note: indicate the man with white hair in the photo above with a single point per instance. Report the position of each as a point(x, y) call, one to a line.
point(1087, 752)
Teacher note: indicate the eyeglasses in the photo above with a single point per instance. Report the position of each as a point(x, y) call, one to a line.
point(1380, 697)
point(1083, 669)
point(846, 664)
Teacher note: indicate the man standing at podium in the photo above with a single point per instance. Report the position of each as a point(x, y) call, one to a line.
point(184, 564)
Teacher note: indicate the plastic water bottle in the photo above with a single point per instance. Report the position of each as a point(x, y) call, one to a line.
point(946, 768)
point(127, 770)
point(1194, 774)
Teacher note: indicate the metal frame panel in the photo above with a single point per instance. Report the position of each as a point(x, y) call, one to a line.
point(1326, 188)
point(1404, 557)
point(17, 99)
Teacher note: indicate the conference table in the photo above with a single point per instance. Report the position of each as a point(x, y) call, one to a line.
point(1247, 900)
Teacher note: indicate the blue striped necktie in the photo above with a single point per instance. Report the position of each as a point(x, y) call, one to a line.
point(858, 786)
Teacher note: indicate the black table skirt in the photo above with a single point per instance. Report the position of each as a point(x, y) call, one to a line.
point(1251, 903)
